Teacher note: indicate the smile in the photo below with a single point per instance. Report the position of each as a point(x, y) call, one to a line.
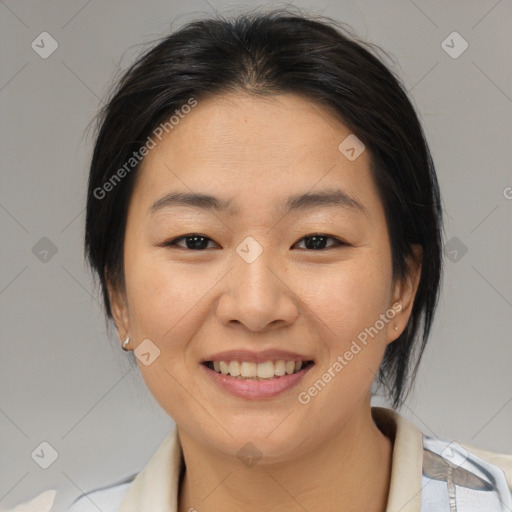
point(249, 370)
point(256, 380)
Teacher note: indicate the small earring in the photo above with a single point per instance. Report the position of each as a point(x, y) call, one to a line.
point(396, 327)
point(126, 341)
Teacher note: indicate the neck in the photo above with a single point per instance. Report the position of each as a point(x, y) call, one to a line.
point(348, 471)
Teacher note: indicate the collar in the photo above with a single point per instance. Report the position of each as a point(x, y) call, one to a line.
point(156, 487)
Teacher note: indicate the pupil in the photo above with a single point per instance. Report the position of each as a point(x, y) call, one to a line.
point(315, 242)
point(198, 242)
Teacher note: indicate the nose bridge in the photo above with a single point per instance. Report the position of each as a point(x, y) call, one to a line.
point(254, 282)
point(252, 272)
point(255, 294)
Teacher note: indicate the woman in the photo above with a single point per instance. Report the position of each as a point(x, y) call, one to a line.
point(265, 222)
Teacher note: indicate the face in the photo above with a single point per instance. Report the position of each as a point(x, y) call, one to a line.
point(259, 278)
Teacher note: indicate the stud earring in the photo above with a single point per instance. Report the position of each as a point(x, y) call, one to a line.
point(396, 327)
point(126, 341)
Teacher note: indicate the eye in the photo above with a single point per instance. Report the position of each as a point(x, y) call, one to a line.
point(193, 242)
point(198, 242)
point(317, 241)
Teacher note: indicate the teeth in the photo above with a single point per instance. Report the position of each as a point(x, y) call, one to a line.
point(248, 369)
point(266, 370)
point(234, 368)
point(280, 368)
point(257, 371)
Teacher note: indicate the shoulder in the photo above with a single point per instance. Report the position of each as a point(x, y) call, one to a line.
point(106, 499)
point(443, 475)
point(42, 503)
point(474, 479)
point(501, 460)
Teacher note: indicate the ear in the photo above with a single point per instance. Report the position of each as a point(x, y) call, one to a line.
point(119, 308)
point(404, 294)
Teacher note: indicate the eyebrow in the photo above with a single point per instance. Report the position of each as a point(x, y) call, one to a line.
point(300, 202)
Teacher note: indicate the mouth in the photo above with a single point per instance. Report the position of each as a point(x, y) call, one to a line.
point(258, 371)
point(262, 375)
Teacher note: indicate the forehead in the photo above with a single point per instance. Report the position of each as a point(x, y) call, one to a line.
point(240, 147)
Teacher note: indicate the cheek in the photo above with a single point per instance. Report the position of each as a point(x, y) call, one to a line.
point(347, 297)
point(347, 305)
point(165, 305)
point(160, 293)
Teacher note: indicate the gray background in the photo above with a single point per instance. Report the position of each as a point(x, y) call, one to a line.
point(65, 382)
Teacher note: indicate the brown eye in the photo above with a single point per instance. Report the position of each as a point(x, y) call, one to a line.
point(317, 242)
point(198, 242)
point(193, 242)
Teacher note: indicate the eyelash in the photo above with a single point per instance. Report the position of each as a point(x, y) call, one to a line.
point(173, 242)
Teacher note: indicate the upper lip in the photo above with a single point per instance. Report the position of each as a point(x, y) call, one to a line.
point(257, 357)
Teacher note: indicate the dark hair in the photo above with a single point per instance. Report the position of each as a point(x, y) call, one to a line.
point(264, 54)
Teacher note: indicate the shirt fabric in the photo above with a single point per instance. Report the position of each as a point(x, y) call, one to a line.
point(427, 475)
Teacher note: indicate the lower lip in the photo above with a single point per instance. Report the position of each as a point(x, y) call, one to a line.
point(256, 388)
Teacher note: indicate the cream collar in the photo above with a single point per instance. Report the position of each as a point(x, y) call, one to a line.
point(156, 487)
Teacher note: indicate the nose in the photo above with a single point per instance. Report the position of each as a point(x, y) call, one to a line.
point(257, 296)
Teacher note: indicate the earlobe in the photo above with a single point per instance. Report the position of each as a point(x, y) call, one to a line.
point(405, 292)
point(408, 287)
point(119, 310)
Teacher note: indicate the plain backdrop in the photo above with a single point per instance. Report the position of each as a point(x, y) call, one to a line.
point(65, 382)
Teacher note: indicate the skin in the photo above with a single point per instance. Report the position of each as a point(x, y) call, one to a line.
point(324, 455)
